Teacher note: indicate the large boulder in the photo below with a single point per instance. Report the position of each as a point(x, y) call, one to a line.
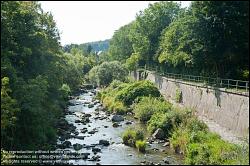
point(117, 118)
point(104, 142)
point(159, 134)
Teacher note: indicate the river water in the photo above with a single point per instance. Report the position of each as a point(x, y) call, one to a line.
point(116, 152)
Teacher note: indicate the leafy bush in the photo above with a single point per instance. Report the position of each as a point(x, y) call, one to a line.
point(178, 96)
point(216, 151)
point(118, 108)
point(132, 61)
point(147, 106)
point(105, 73)
point(167, 121)
point(65, 90)
point(203, 147)
point(196, 125)
point(130, 136)
point(141, 145)
point(179, 140)
point(141, 88)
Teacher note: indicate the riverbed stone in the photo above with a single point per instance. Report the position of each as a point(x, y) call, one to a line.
point(102, 118)
point(79, 137)
point(76, 132)
point(104, 142)
point(84, 130)
point(87, 115)
point(95, 150)
point(117, 118)
point(166, 144)
point(159, 134)
point(115, 124)
point(169, 160)
point(90, 105)
point(95, 158)
point(64, 145)
point(86, 102)
point(85, 155)
point(77, 146)
point(128, 123)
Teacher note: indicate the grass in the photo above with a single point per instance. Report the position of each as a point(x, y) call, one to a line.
point(130, 136)
point(187, 134)
point(178, 96)
point(141, 145)
point(200, 146)
point(147, 106)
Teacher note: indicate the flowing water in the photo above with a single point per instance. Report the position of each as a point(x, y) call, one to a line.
point(116, 152)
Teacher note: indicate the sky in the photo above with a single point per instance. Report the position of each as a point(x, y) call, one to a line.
point(86, 21)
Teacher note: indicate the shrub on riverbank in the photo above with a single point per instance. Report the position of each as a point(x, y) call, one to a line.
point(130, 136)
point(147, 106)
point(128, 94)
point(168, 121)
point(200, 146)
point(141, 145)
point(118, 96)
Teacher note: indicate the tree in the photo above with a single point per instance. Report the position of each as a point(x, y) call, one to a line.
point(148, 27)
point(120, 46)
point(105, 73)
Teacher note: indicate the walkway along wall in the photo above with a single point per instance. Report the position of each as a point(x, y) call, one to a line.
point(227, 109)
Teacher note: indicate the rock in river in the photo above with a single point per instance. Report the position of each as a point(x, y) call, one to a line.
point(115, 124)
point(65, 144)
point(104, 142)
point(90, 105)
point(169, 160)
point(117, 118)
point(95, 150)
point(159, 134)
point(77, 146)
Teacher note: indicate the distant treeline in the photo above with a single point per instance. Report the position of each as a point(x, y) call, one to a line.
point(89, 47)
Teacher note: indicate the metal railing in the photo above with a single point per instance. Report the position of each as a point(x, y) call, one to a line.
point(230, 85)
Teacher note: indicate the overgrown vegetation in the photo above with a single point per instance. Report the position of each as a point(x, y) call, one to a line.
point(209, 38)
point(118, 96)
point(134, 138)
point(36, 76)
point(105, 73)
point(178, 95)
point(200, 146)
point(147, 106)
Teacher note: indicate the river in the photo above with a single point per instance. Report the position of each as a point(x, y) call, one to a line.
point(101, 125)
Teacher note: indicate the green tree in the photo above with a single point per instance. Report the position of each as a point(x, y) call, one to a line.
point(120, 46)
point(148, 27)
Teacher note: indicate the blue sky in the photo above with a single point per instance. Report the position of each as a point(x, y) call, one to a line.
point(86, 21)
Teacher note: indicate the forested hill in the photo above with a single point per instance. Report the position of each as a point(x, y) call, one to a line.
point(95, 46)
